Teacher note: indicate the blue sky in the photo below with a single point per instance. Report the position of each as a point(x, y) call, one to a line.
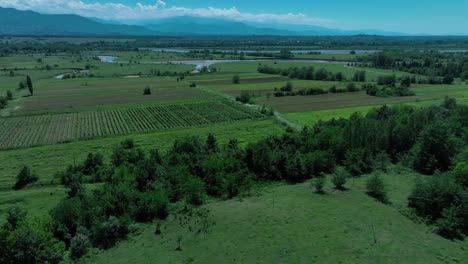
point(408, 16)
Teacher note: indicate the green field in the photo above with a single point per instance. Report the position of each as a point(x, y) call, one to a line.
point(103, 104)
point(292, 224)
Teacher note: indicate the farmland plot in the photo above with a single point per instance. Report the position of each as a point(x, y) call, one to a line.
point(24, 131)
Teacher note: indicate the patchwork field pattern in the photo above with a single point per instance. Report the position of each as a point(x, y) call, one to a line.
point(16, 132)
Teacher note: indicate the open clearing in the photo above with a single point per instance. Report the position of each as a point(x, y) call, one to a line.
point(291, 224)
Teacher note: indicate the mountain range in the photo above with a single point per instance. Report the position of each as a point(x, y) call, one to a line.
point(16, 22)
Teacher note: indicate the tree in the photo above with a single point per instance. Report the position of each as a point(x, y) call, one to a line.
point(461, 174)
point(30, 85)
point(340, 177)
point(405, 81)
point(351, 87)
point(15, 215)
point(211, 144)
point(435, 148)
point(375, 188)
point(21, 85)
point(245, 97)
point(79, 246)
point(24, 177)
point(448, 79)
point(318, 184)
point(9, 95)
point(147, 90)
point(236, 79)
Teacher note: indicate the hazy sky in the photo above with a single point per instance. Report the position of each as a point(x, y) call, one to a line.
point(408, 16)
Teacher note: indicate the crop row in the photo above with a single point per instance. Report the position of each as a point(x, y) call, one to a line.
point(36, 130)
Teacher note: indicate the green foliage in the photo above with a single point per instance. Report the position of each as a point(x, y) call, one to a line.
point(31, 241)
point(318, 183)
point(451, 222)
point(431, 196)
point(359, 76)
point(351, 87)
point(461, 174)
point(358, 161)
point(339, 178)
point(25, 177)
point(245, 97)
point(236, 79)
point(436, 147)
point(9, 95)
point(30, 85)
point(111, 231)
point(79, 246)
point(375, 188)
point(147, 90)
point(15, 216)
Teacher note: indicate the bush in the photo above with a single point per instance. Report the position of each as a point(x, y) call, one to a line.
point(9, 95)
point(339, 178)
point(318, 184)
point(461, 174)
point(245, 97)
point(15, 215)
point(375, 188)
point(32, 242)
point(111, 231)
point(351, 87)
point(435, 148)
point(430, 197)
point(358, 161)
point(236, 79)
point(147, 90)
point(450, 224)
point(79, 246)
point(25, 177)
point(194, 190)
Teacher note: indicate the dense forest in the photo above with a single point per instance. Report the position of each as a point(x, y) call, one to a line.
point(136, 186)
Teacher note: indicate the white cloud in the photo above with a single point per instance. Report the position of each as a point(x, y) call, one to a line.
point(159, 9)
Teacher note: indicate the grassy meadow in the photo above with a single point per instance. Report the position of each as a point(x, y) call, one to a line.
point(292, 224)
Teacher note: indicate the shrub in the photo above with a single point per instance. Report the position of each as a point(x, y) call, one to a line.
point(236, 79)
point(358, 161)
point(15, 215)
point(92, 163)
point(351, 87)
point(450, 224)
point(318, 183)
point(430, 197)
point(151, 205)
point(25, 177)
point(193, 84)
point(375, 188)
point(461, 174)
point(339, 178)
point(111, 231)
point(79, 246)
point(245, 97)
point(32, 242)
point(435, 148)
point(9, 95)
point(194, 190)
point(147, 90)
